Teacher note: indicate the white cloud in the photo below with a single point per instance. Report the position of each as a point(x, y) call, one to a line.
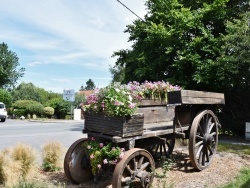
point(81, 34)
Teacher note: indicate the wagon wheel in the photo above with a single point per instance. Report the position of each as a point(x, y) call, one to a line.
point(203, 139)
point(134, 170)
point(77, 164)
point(163, 149)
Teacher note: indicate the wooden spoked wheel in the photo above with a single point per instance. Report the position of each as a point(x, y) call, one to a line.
point(203, 139)
point(134, 170)
point(163, 149)
point(77, 166)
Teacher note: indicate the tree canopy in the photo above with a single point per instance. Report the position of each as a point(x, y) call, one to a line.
point(9, 71)
point(187, 43)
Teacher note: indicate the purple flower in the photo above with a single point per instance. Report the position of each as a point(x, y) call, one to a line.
point(101, 145)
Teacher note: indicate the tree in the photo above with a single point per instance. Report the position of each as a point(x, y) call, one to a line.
point(200, 45)
point(9, 72)
point(90, 85)
point(60, 106)
point(118, 73)
point(28, 91)
point(5, 97)
point(180, 41)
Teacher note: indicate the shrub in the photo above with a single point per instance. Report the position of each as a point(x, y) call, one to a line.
point(21, 104)
point(17, 164)
point(35, 108)
point(48, 111)
point(28, 159)
point(61, 107)
point(19, 112)
point(52, 156)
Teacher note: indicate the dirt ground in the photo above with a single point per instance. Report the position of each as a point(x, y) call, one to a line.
point(224, 168)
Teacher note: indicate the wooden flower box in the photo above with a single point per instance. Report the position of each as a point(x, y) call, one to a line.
point(116, 126)
point(155, 111)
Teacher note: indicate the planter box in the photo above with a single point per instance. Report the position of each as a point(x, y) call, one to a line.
point(116, 126)
point(194, 97)
point(155, 111)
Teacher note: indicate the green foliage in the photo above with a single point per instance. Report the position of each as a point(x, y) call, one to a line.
point(61, 107)
point(234, 148)
point(9, 72)
point(33, 184)
point(19, 112)
point(49, 111)
point(118, 73)
point(90, 85)
point(22, 104)
point(52, 156)
point(79, 100)
point(35, 108)
point(122, 100)
point(199, 45)
point(5, 97)
point(180, 41)
point(242, 180)
point(101, 154)
point(28, 91)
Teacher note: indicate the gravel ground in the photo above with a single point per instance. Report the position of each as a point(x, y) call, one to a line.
point(224, 168)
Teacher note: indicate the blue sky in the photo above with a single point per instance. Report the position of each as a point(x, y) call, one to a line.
point(62, 43)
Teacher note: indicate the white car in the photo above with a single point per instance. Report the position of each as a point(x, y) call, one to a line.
point(3, 112)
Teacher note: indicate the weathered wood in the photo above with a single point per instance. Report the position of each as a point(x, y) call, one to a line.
point(152, 102)
point(117, 126)
point(155, 111)
point(195, 97)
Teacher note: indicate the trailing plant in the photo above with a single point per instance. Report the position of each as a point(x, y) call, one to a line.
point(102, 154)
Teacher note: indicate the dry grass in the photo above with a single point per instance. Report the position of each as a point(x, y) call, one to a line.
point(52, 153)
point(27, 156)
point(17, 164)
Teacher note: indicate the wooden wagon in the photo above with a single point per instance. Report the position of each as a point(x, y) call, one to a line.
point(149, 135)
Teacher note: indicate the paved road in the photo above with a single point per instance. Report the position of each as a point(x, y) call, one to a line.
point(38, 133)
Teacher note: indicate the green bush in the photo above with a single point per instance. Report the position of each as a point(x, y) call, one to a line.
point(22, 104)
point(61, 107)
point(48, 111)
point(19, 112)
point(35, 108)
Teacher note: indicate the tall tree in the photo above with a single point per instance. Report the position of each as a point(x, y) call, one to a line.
point(90, 85)
point(180, 41)
point(9, 72)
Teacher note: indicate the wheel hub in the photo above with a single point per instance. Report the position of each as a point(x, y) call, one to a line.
point(208, 140)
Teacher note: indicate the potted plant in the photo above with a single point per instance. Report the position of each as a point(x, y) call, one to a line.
point(113, 110)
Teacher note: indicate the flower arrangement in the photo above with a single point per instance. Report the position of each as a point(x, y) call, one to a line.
point(101, 154)
point(122, 100)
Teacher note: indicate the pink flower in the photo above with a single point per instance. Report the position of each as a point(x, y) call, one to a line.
point(117, 103)
point(122, 149)
point(92, 156)
point(105, 161)
point(101, 145)
point(132, 105)
point(121, 155)
point(99, 166)
point(92, 138)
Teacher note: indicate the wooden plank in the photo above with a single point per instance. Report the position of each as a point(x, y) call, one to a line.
point(195, 97)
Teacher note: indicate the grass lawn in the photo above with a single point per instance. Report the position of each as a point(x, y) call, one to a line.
point(243, 179)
